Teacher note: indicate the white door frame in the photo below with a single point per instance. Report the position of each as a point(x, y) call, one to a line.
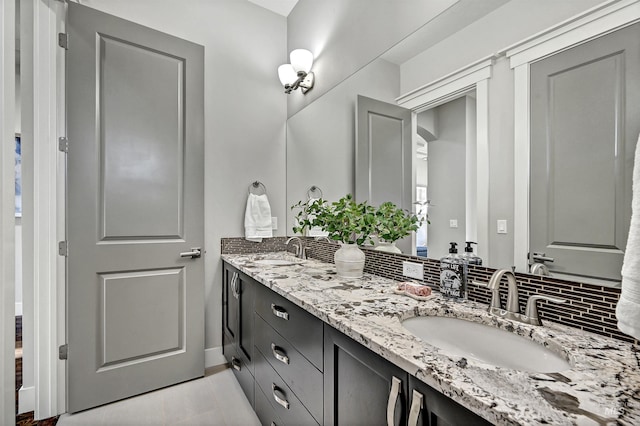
point(7, 212)
point(474, 76)
point(593, 23)
point(44, 301)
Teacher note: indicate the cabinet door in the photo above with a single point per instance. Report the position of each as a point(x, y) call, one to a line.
point(360, 387)
point(428, 407)
point(245, 289)
point(230, 305)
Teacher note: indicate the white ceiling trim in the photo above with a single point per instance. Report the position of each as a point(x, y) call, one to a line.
point(281, 7)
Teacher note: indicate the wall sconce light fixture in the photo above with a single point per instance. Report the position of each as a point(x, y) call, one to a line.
point(297, 73)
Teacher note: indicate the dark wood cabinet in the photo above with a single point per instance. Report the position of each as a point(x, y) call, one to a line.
point(360, 387)
point(238, 298)
point(428, 407)
point(296, 370)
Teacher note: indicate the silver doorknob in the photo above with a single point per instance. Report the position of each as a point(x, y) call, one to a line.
point(194, 253)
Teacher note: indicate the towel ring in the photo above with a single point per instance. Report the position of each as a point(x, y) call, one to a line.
point(257, 185)
point(313, 189)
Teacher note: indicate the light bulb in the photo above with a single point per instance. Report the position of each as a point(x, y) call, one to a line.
point(301, 60)
point(287, 74)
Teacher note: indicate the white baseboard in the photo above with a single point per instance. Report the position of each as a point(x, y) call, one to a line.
point(18, 309)
point(213, 357)
point(26, 399)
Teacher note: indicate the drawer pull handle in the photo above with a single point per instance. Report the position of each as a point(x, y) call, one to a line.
point(279, 354)
point(235, 363)
point(393, 399)
point(279, 399)
point(416, 407)
point(279, 312)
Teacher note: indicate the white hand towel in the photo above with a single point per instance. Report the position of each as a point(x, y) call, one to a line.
point(315, 231)
point(257, 218)
point(628, 309)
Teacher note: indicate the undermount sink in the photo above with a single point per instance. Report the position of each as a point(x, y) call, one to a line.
point(275, 262)
point(458, 337)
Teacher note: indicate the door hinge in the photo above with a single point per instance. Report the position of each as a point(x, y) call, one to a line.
point(63, 351)
point(63, 248)
point(63, 40)
point(63, 144)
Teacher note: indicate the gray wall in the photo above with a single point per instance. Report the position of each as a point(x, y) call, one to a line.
point(245, 113)
point(447, 178)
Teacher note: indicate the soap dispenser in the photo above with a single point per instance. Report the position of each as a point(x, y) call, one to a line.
point(469, 257)
point(453, 275)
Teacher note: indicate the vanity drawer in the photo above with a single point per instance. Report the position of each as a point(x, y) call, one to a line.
point(295, 324)
point(265, 411)
point(302, 377)
point(283, 401)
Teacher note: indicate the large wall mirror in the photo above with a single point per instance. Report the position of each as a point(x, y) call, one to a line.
point(452, 117)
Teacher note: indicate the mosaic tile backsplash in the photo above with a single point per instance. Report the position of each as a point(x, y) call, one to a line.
point(590, 307)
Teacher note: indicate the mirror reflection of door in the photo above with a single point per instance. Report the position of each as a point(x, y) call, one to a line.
point(384, 157)
point(445, 163)
point(585, 120)
point(438, 179)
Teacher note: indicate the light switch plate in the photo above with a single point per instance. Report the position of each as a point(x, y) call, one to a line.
point(502, 226)
point(274, 223)
point(453, 223)
point(413, 270)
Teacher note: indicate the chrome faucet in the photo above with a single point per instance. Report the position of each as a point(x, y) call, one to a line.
point(513, 308)
point(512, 311)
point(301, 251)
point(539, 269)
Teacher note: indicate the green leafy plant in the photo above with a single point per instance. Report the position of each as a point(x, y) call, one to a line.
point(344, 220)
point(393, 223)
point(349, 222)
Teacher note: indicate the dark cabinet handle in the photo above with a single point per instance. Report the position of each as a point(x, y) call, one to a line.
point(235, 363)
point(279, 312)
point(416, 407)
point(279, 397)
point(394, 393)
point(279, 354)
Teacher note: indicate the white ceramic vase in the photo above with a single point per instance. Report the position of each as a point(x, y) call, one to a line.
point(349, 260)
point(388, 247)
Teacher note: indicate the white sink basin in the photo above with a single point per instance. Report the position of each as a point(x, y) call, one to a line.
point(457, 337)
point(275, 262)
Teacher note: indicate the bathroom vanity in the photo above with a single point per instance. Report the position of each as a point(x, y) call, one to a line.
point(309, 347)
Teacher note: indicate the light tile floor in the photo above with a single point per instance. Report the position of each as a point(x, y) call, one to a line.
point(216, 399)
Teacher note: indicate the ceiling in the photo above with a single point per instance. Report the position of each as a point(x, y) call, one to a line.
point(281, 7)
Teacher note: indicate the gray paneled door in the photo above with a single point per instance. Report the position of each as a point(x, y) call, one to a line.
point(135, 105)
point(384, 156)
point(585, 119)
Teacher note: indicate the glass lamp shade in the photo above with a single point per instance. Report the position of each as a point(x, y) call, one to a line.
point(301, 60)
point(287, 74)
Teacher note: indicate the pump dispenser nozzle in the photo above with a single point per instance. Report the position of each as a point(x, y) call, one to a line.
point(468, 248)
point(453, 247)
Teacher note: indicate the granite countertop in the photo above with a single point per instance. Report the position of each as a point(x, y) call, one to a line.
point(602, 387)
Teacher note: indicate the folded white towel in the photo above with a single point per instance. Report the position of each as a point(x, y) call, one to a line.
point(315, 231)
point(257, 218)
point(628, 309)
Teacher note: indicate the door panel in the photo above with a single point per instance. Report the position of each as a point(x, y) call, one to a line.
point(135, 311)
point(142, 315)
point(384, 157)
point(584, 126)
point(133, 153)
